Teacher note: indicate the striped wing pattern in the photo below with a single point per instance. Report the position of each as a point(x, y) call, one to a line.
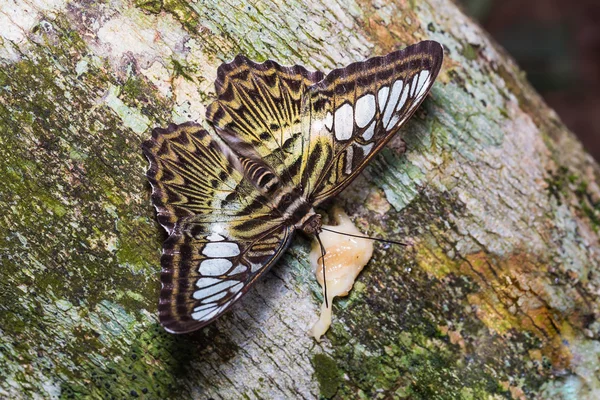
point(189, 172)
point(205, 272)
point(356, 110)
point(258, 113)
point(285, 139)
point(223, 233)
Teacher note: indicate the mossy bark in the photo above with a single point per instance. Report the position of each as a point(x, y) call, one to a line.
point(496, 297)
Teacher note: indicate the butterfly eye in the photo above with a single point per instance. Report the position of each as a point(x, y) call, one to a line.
point(286, 199)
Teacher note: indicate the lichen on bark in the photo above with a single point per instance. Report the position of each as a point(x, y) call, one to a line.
point(496, 297)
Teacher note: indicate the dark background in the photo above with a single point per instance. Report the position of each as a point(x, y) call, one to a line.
point(557, 43)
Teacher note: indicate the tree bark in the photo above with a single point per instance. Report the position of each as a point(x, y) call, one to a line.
point(497, 296)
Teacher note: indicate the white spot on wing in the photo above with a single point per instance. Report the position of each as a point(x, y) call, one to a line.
point(402, 99)
point(255, 267)
point(217, 228)
point(239, 269)
point(221, 249)
point(344, 123)
point(368, 134)
point(365, 110)
point(211, 290)
point(393, 122)
point(349, 156)
point(382, 97)
point(216, 297)
point(318, 125)
point(413, 87)
point(199, 315)
point(423, 76)
point(367, 148)
point(215, 237)
point(215, 266)
point(423, 82)
point(394, 95)
point(236, 288)
point(203, 307)
point(202, 282)
point(329, 121)
point(205, 315)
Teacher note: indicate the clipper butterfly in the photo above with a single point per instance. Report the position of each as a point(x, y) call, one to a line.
point(283, 140)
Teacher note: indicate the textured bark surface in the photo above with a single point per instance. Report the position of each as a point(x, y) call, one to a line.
point(496, 298)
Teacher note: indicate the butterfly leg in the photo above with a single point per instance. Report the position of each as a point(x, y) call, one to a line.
point(323, 252)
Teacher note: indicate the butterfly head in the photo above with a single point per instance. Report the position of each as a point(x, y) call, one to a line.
point(311, 225)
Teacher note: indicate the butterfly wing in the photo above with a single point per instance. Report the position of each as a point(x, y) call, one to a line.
point(190, 173)
point(352, 113)
point(258, 114)
point(205, 272)
point(223, 232)
point(278, 127)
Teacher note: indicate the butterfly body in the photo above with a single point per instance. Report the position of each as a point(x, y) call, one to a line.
point(285, 140)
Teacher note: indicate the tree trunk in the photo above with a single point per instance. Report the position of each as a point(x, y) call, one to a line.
point(497, 296)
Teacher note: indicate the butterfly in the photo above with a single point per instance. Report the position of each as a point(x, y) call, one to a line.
point(283, 140)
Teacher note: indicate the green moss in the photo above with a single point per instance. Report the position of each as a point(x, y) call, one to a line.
point(139, 94)
point(417, 364)
point(407, 350)
point(133, 88)
point(557, 184)
point(469, 52)
point(184, 13)
point(327, 374)
point(563, 184)
point(131, 248)
point(180, 70)
point(151, 6)
point(76, 194)
point(149, 366)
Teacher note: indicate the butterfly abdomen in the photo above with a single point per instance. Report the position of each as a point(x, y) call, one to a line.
point(261, 176)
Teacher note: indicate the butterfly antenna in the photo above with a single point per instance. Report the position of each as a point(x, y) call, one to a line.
point(323, 252)
point(364, 237)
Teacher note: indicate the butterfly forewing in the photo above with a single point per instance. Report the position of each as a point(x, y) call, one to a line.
point(258, 113)
point(355, 111)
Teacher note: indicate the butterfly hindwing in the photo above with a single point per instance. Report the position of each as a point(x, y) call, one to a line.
point(354, 111)
point(189, 172)
point(223, 233)
point(205, 272)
